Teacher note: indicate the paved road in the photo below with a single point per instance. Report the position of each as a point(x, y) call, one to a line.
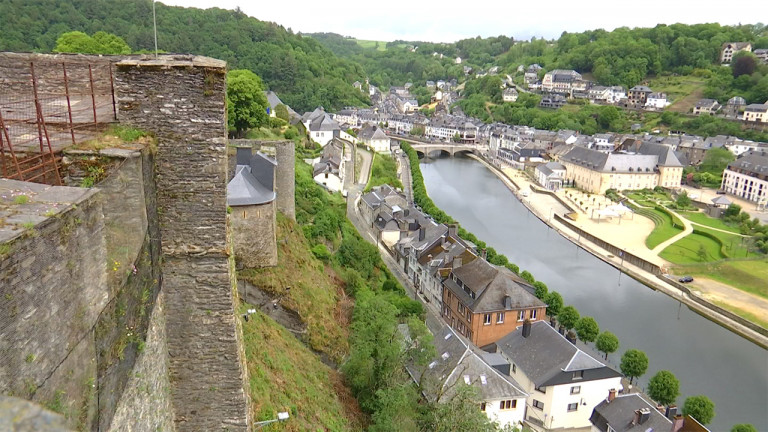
point(405, 176)
point(366, 168)
point(705, 196)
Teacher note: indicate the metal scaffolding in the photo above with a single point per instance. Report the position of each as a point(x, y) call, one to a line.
point(46, 107)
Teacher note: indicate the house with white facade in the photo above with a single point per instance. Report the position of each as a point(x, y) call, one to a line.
point(756, 113)
point(457, 364)
point(509, 95)
point(550, 175)
point(747, 177)
point(458, 60)
point(560, 81)
point(731, 48)
point(328, 171)
point(532, 73)
point(706, 106)
point(656, 101)
point(375, 138)
point(762, 54)
point(564, 383)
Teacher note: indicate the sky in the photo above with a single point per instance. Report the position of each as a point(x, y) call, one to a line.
point(451, 20)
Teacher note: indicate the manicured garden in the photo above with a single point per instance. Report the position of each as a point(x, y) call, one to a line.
point(666, 226)
point(703, 219)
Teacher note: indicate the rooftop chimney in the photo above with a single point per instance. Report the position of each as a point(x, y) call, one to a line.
point(485, 254)
point(636, 418)
point(429, 258)
point(671, 412)
point(244, 155)
point(611, 395)
point(677, 423)
point(422, 233)
point(552, 321)
point(571, 337)
point(645, 414)
point(453, 230)
point(526, 328)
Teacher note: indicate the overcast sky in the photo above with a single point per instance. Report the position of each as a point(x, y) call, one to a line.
point(449, 21)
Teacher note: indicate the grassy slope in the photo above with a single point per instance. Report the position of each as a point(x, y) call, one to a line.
point(682, 91)
point(664, 229)
point(749, 276)
point(286, 376)
point(685, 250)
point(383, 171)
point(703, 219)
point(372, 44)
point(315, 294)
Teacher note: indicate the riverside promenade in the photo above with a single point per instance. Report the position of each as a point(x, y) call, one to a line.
point(647, 268)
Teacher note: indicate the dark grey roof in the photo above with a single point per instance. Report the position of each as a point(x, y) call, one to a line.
point(244, 189)
point(324, 123)
point(737, 100)
point(613, 162)
point(459, 362)
point(490, 285)
point(666, 155)
point(641, 88)
point(756, 108)
point(549, 167)
point(620, 412)
point(752, 163)
point(721, 200)
point(547, 358)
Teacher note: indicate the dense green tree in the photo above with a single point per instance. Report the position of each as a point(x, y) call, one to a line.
point(607, 343)
point(456, 411)
point(528, 277)
point(246, 103)
point(554, 303)
point(568, 317)
point(664, 387)
point(716, 160)
point(699, 407)
point(743, 427)
point(542, 292)
point(100, 43)
point(281, 112)
point(683, 201)
point(634, 364)
point(587, 329)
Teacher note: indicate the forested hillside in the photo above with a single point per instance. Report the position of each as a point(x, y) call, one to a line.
point(620, 57)
point(303, 72)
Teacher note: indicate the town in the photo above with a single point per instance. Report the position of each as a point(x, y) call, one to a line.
point(213, 222)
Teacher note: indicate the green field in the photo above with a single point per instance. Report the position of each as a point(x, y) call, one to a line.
point(383, 171)
point(686, 250)
point(682, 91)
point(664, 229)
point(747, 275)
point(703, 219)
point(382, 45)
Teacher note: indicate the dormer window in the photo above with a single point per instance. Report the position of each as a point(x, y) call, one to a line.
point(578, 375)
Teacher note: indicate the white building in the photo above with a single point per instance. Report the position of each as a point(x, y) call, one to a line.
point(559, 80)
point(459, 363)
point(564, 382)
point(375, 138)
point(550, 175)
point(656, 101)
point(509, 95)
point(756, 113)
point(328, 171)
point(747, 177)
point(731, 48)
point(458, 60)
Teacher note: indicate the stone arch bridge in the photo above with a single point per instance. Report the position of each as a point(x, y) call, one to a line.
point(434, 149)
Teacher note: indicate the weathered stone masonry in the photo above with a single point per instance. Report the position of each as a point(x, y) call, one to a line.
point(182, 101)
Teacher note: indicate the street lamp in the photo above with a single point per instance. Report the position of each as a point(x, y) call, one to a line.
point(281, 416)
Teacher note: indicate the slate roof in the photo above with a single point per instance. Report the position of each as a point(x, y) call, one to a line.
point(665, 154)
point(377, 195)
point(548, 168)
point(611, 162)
point(736, 100)
point(457, 362)
point(752, 163)
point(490, 285)
point(246, 189)
point(547, 358)
point(620, 412)
point(324, 123)
point(330, 161)
point(756, 108)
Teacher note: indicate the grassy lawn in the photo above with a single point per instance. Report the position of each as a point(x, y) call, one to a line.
point(664, 229)
point(682, 91)
point(383, 171)
point(686, 250)
point(747, 275)
point(734, 244)
point(703, 219)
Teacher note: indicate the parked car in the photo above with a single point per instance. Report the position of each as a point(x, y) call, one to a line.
point(720, 192)
point(686, 279)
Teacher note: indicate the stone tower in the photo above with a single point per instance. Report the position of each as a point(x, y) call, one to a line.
point(285, 153)
point(181, 99)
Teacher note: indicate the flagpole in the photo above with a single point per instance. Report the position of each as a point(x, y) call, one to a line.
point(154, 22)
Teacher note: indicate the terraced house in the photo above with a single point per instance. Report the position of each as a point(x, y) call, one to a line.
point(485, 302)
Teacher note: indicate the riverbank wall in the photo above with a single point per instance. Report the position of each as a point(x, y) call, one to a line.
point(645, 272)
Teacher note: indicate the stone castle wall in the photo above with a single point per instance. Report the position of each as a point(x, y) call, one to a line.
point(285, 182)
point(53, 288)
point(181, 99)
point(254, 235)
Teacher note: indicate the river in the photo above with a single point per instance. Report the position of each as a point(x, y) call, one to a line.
point(705, 357)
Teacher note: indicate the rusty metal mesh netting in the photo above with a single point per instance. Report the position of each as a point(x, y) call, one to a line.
point(46, 107)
